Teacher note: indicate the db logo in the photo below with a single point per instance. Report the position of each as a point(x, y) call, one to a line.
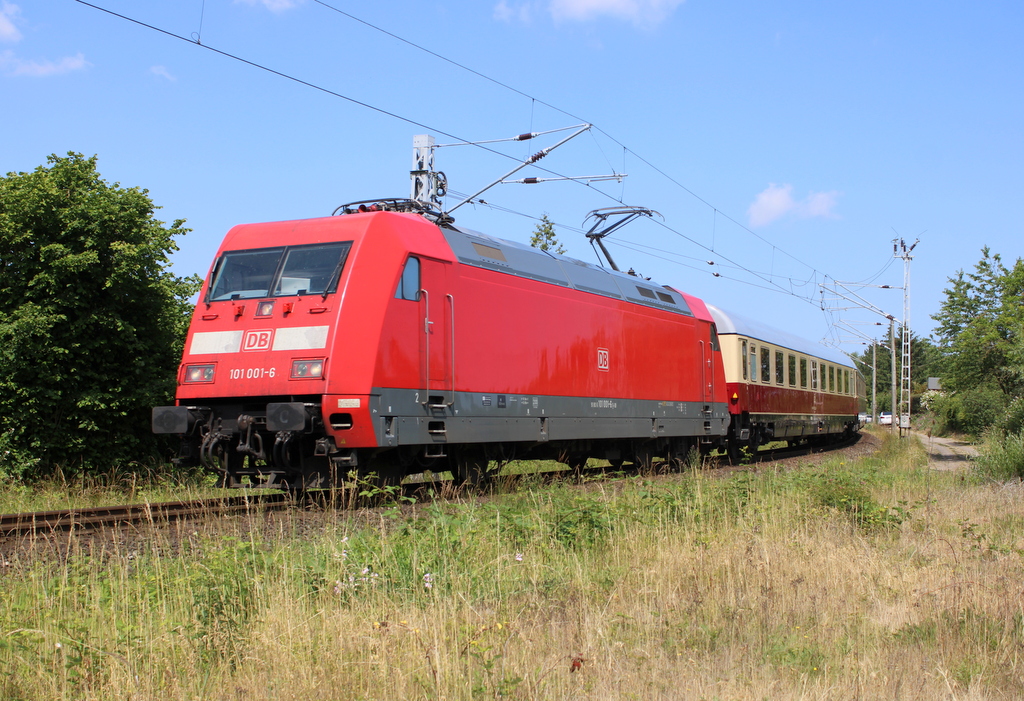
point(602, 359)
point(258, 340)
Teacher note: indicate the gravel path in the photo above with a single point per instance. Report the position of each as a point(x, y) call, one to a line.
point(946, 453)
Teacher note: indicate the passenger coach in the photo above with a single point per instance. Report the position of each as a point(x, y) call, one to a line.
point(781, 387)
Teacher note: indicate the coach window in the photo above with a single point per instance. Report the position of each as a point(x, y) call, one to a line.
point(814, 374)
point(831, 378)
point(753, 363)
point(792, 370)
point(766, 365)
point(409, 283)
point(846, 381)
point(780, 369)
point(743, 357)
point(803, 372)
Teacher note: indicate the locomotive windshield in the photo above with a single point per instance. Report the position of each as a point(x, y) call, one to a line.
point(278, 272)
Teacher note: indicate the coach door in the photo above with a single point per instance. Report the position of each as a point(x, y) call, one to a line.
point(708, 351)
point(437, 337)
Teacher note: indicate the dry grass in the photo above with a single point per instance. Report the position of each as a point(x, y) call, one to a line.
point(905, 584)
point(140, 484)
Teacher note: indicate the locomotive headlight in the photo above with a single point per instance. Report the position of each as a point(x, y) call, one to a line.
point(307, 369)
point(199, 373)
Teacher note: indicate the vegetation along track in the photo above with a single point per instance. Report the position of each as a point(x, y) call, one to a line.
point(91, 519)
point(86, 519)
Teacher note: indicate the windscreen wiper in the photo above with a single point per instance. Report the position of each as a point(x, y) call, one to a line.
point(334, 275)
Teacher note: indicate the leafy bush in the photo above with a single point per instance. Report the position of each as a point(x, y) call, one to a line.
point(849, 494)
point(968, 411)
point(91, 321)
point(1003, 457)
point(1012, 420)
point(582, 521)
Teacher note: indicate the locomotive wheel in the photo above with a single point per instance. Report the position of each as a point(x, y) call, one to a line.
point(643, 457)
point(576, 463)
point(376, 477)
point(471, 469)
point(679, 455)
point(733, 451)
point(741, 451)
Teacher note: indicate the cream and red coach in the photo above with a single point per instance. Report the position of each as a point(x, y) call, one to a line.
point(782, 387)
point(383, 342)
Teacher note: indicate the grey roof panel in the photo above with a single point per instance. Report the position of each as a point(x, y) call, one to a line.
point(729, 323)
point(483, 251)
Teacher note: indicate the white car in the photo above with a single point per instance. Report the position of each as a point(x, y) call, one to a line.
point(885, 418)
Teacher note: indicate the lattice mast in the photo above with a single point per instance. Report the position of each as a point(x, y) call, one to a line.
point(900, 250)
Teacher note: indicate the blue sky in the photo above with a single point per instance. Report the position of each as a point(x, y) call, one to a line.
point(788, 142)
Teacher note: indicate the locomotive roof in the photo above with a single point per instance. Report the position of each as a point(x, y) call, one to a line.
point(484, 251)
point(729, 323)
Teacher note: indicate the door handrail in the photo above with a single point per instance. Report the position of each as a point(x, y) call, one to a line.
point(451, 329)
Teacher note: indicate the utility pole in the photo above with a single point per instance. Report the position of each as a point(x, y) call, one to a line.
point(901, 251)
point(892, 387)
point(900, 411)
point(874, 383)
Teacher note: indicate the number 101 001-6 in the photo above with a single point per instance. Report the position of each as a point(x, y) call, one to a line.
point(251, 373)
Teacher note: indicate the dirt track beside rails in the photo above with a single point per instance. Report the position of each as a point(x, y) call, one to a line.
point(946, 453)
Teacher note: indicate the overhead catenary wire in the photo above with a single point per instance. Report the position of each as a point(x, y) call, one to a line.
point(301, 81)
point(768, 279)
point(626, 149)
point(709, 267)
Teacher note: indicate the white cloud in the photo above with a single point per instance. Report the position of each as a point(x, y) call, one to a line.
point(644, 13)
point(12, 65)
point(8, 32)
point(820, 204)
point(503, 12)
point(162, 72)
point(771, 204)
point(777, 201)
point(273, 5)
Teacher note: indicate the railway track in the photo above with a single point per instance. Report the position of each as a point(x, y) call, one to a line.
point(89, 519)
point(93, 519)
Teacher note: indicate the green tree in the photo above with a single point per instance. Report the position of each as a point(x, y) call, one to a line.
point(544, 237)
point(925, 362)
point(981, 338)
point(91, 321)
point(980, 326)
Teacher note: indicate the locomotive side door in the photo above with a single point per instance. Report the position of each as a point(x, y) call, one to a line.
point(715, 348)
point(437, 348)
point(709, 350)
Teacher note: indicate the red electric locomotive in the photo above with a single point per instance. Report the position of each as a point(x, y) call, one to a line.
point(386, 342)
point(781, 387)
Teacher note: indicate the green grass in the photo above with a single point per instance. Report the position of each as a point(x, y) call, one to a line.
point(141, 485)
point(876, 577)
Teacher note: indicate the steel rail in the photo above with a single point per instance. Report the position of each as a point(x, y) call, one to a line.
point(85, 519)
point(91, 519)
